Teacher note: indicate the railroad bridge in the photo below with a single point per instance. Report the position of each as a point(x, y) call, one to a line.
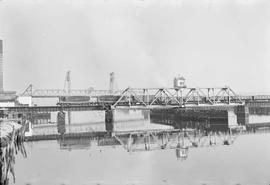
point(140, 99)
point(133, 98)
point(147, 96)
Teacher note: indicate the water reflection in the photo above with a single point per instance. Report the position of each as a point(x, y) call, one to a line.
point(138, 150)
point(146, 158)
point(74, 144)
point(181, 152)
point(144, 141)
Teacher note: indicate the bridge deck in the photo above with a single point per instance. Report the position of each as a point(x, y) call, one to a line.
point(39, 109)
point(47, 109)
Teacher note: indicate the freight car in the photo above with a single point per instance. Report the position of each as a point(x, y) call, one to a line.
point(108, 100)
point(112, 99)
point(87, 100)
point(74, 100)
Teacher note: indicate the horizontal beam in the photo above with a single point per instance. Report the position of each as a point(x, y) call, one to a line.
point(40, 109)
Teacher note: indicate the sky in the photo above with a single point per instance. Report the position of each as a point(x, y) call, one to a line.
point(212, 43)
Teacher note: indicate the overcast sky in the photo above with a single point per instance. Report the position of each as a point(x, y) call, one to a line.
point(145, 42)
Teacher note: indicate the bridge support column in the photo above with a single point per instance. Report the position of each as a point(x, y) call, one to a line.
point(109, 119)
point(242, 113)
point(61, 125)
point(69, 117)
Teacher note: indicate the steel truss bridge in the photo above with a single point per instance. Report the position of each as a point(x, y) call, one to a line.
point(210, 93)
point(147, 97)
point(178, 97)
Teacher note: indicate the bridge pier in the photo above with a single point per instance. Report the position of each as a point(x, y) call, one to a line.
point(119, 119)
point(109, 119)
point(202, 118)
point(242, 113)
point(61, 124)
point(69, 117)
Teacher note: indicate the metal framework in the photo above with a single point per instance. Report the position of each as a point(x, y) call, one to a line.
point(149, 97)
point(171, 139)
point(55, 93)
point(178, 97)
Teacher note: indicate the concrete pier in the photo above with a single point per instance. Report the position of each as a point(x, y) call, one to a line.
point(213, 118)
point(118, 115)
point(242, 113)
point(109, 120)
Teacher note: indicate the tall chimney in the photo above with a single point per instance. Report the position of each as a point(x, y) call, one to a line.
point(1, 67)
point(112, 82)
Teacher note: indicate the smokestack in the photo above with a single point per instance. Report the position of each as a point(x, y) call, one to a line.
point(1, 67)
point(112, 82)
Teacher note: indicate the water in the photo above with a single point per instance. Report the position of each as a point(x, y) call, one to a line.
point(245, 162)
point(86, 161)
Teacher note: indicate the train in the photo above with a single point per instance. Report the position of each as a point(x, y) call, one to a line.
point(87, 100)
point(74, 100)
point(102, 100)
point(132, 100)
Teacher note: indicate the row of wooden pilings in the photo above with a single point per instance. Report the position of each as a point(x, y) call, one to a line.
point(12, 142)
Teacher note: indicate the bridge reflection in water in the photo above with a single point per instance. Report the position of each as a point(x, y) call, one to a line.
point(177, 140)
point(145, 157)
point(47, 164)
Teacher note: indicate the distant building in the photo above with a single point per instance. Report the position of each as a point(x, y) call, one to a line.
point(7, 98)
point(25, 100)
point(179, 82)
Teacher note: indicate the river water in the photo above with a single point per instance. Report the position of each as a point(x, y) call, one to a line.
point(246, 161)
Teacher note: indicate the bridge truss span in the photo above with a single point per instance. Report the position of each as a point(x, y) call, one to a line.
point(178, 97)
point(147, 97)
point(55, 93)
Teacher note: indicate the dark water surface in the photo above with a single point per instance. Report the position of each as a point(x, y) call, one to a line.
point(247, 161)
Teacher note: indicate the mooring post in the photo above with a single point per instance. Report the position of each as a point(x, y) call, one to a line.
point(109, 119)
